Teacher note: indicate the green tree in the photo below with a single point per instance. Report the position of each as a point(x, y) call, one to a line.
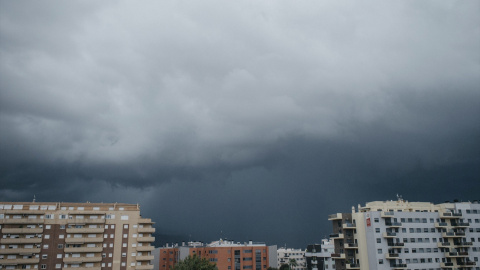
point(292, 263)
point(195, 263)
point(284, 267)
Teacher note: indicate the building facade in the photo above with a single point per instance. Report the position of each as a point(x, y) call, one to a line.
point(284, 255)
point(227, 255)
point(74, 236)
point(407, 235)
point(319, 256)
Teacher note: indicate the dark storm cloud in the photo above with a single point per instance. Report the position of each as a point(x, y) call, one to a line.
point(271, 113)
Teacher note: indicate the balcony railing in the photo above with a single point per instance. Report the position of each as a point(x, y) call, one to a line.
point(335, 216)
point(23, 221)
point(396, 244)
point(22, 230)
point(389, 234)
point(146, 230)
point(391, 256)
point(353, 266)
point(350, 226)
point(145, 248)
point(85, 230)
point(83, 249)
point(34, 240)
point(440, 224)
point(351, 245)
point(456, 254)
point(82, 259)
point(387, 214)
point(146, 239)
point(21, 251)
point(336, 235)
point(453, 234)
point(450, 215)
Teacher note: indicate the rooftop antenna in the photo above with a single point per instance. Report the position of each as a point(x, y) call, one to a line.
point(33, 197)
point(399, 197)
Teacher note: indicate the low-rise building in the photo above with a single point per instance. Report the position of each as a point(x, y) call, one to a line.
point(227, 255)
point(319, 256)
point(284, 255)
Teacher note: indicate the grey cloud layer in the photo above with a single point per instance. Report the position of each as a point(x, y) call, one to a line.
point(144, 96)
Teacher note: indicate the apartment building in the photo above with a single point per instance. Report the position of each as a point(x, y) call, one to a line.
point(227, 255)
point(408, 235)
point(284, 255)
point(319, 256)
point(74, 236)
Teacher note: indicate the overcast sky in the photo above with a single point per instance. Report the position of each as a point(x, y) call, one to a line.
point(247, 120)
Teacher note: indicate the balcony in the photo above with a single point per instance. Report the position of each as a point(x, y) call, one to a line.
point(394, 224)
point(450, 215)
point(19, 261)
point(76, 260)
point(314, 262)
point(338, 256)
point(463, 244)
point(34, 240)
point(444, 244)
point(446, 265)
point(21, 251)
point(336, 236)
point(351, 246)
point(337, 216)
point(350, 226)
point(82, 221)
point(85, 230)
point(396, 245)
point(461, 224)
point(389, 234)
point(399, 266)
point(453, 234)
point(456, 254)
point(83, 249)
point(353, 266)
point(146, 239)
point(467, 264)
point(145, 248)
point(391, 256)
point(23, 221)
point(146, 230)
point(22, 230)
point(82, 268)
point(144, 267)
point(386, 214)
point(145, 221)
point(441, 225)
point(83, 240)
point(144, 258)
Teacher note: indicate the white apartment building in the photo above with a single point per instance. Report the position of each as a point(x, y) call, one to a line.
point(74, 236)
point(408, 235)
point(319, 256)
point(284, 255)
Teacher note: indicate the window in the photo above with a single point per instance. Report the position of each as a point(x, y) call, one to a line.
point(380, 261)
point(379, 251)
point(377, 230)
point(379, 240)
point(44, 266)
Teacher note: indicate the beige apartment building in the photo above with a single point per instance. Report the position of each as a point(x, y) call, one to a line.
point(74, 236)
point(408, 235)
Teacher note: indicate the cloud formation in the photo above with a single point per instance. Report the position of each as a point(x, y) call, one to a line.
point(269, 111)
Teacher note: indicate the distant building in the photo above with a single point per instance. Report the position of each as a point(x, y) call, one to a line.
point(319, 256)
point(408, 235)
point(74, 236)
point(284, 255)
point(227, 255)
